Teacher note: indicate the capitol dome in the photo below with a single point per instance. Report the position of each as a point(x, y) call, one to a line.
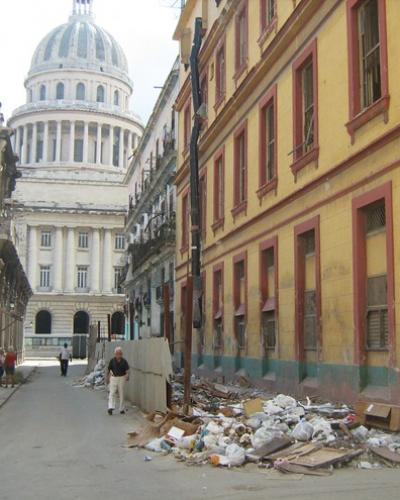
point(80, 45)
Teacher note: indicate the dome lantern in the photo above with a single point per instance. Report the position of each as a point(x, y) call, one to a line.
point(82, 8)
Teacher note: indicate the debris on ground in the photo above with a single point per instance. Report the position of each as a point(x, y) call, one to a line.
point(95, 379)
point(229, 426)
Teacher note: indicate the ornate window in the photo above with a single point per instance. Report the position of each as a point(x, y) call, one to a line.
point(60, 91)
point(100, 93)
point(80, 92)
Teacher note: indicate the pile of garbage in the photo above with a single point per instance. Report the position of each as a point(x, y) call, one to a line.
point(95, 379)
point(279, 432)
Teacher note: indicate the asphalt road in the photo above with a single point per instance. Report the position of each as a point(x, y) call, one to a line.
point(57, 442)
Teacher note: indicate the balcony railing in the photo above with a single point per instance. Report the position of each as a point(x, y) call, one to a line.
point(164, 236)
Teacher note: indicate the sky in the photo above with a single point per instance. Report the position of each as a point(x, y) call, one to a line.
point(144, 29)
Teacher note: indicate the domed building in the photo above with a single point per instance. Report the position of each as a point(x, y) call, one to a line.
point(74, 137)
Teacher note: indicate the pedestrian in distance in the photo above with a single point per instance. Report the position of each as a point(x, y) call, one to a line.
point(2, 359)
point(117, 376)
point(64, 357)
point(10, 362)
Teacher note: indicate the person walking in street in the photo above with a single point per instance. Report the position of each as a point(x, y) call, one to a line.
point(10, 362)
point(2, 359)
point(117, 376)
point(65, 357)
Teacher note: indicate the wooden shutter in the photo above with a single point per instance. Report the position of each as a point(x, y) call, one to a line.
point(377, 313)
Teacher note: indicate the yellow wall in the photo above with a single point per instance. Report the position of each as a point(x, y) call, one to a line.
point(330, 199)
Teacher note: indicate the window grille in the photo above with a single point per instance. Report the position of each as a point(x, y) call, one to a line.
point(310, 320)
point(309, 243)
point(45, 240)
point(82, 277)
point(269, 329)
point(44, 276)
point(83, 240)
point(377, 313)
point(375, 217)
point(119, 242)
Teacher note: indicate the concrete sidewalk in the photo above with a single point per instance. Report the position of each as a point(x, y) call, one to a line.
point(26, 369)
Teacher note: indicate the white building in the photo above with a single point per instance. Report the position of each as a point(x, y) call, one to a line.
point(150, 225)
point(74, 137)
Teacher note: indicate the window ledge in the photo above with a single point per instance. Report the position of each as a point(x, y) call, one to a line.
point(267, 30)
point(304, 160)
point(184, 249)
point(379, 107)
point(217, 224)
point(240, 70)
point(267, 187)
point(241, 207)
point(218, 101)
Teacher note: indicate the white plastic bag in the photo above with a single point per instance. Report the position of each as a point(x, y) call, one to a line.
point(261, 437)
point(285, 401)
point(303, 431)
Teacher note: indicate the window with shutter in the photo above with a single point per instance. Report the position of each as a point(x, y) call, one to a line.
point(310, 320)
point(268, 330)
point(377, 313)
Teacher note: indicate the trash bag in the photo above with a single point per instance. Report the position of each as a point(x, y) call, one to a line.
point(155, 445)
point(303, 431)
point(285, 401)
point(261, 437)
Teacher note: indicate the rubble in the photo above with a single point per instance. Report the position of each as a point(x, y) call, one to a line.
point(95, 379)
point(232, 426)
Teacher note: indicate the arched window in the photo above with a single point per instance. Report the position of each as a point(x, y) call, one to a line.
point(118, 323)
point(116, 98)
point(60, 91)
point(43, 323)
point(42, 92)
point(81, 322)
point(80, 92)
point(100, 93)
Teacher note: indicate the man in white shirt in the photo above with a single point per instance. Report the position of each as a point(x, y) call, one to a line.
point(65, 357)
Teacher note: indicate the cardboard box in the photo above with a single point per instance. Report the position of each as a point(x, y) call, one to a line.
point(378, 415)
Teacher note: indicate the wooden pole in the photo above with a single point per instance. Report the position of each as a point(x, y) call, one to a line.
point(109, 327)
point(98, 331)
point(188, 344)
point(167, 333)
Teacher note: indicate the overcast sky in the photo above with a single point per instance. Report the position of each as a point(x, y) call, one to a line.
point(144, 29)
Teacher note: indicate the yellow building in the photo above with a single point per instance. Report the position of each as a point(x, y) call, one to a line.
point(300, 190)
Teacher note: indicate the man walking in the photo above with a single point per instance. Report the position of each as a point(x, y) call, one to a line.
point(10, 362)
point(117, 375)
point(65, 357)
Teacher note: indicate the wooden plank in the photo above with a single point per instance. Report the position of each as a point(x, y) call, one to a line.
point(323, 457)
point(294, 451)
point(253, 406)
point(275, 445)
point(387, 454)
point(298, 469)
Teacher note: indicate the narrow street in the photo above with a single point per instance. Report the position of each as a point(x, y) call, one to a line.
point(57, 441)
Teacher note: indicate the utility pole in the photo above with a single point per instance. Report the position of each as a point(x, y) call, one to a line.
point(194, 288)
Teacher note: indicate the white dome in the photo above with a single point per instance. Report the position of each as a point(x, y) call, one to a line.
point(80, 45)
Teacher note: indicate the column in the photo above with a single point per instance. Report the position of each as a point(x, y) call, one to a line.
point(34, 142)
point(32, 256)
point(107, 262)
point(24, 151)
point(71, 141)
point(46, 142)
point(85, 142)
point(57, 262)
point(70, 270)
point(58, 142)
point(99, 137)
point(121, 147)
point(17, 146)
point(95, 262)
point(111, 150)
point(130, 148)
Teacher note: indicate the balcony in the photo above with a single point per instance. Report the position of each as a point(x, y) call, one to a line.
point(164, 237)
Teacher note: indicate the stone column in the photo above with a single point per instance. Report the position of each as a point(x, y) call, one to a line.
point(107, 262)
point(24, 152)
point(58, 256)
point(121, 147)
point(99, 137)
point(70, 270)
point(34, 143)
point(71, 141)
point(95, 262)
point(111, 150)
point(17, 146)
point(32, 256)
point(130, 148)
point(86, 142)
point(58, 142)
point(46, 142)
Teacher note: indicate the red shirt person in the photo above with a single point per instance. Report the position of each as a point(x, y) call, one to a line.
point(9, 365)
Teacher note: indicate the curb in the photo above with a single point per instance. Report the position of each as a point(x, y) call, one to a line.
point(2, 403)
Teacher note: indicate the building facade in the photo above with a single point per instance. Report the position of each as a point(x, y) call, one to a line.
point(74, 137)
point(300, 165)
point(150, 225)
point(14, 286)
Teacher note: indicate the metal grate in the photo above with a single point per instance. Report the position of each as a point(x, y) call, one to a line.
point(377, 313)
point(240, 327)
point(375, 217)
point(218, 334)
point(269, 329)
point(310, 320)
point(309, 242)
